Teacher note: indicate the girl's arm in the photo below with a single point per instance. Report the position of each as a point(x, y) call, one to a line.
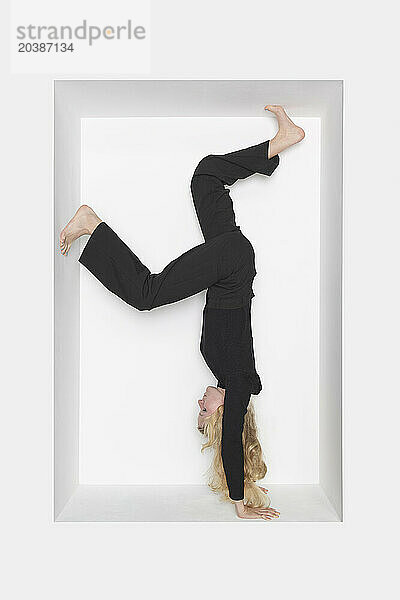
point(237, 398)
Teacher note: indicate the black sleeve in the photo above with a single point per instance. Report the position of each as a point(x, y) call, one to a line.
point(237, 397)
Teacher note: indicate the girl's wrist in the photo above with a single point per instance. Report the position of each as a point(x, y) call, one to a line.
point(239, 505)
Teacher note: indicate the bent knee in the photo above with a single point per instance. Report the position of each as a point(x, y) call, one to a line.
point(204, 178)
point(203, 165)
point(142, 307)
point(141, 304)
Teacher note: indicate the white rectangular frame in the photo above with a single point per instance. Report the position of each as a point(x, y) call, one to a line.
point(75, 99)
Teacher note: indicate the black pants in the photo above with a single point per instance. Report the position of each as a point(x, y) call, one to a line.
point(224, 263)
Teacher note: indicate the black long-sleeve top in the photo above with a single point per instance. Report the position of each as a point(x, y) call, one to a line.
point(227, 347)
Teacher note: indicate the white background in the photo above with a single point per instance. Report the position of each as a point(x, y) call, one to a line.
point(352, 41)
point(138, 368)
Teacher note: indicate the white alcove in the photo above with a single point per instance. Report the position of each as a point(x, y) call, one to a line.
point(127, 382)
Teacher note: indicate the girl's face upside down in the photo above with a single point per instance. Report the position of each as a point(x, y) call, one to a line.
point(213, 398)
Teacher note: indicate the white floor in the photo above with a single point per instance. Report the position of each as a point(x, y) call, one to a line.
point(152, 503)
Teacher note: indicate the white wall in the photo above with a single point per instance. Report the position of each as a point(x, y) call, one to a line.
point(330, 381)
point(142, 373)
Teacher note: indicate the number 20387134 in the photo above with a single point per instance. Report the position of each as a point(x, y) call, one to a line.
point(45, 47)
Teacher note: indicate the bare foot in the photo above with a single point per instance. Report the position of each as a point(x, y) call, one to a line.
point(288, 133)
point(84, 222)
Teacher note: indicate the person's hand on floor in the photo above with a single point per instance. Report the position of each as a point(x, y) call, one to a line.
point(246, 512)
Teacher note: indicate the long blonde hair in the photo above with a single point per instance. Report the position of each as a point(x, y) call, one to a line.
point(254, 465)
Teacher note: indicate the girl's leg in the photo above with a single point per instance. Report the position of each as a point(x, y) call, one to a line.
point(114, 264)
point(212, 200)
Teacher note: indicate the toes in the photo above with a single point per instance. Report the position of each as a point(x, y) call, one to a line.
point(63, 242)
